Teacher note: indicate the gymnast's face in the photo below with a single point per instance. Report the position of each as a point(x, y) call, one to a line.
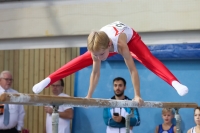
point(167, 117)
point(101, 54)
point(119, 87)
point(197, 116)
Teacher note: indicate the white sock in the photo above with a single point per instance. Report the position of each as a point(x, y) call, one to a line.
point(181, 89)
point(37, 88)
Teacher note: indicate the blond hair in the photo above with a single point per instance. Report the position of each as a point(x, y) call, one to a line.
point(166, 110)
point(97, 40)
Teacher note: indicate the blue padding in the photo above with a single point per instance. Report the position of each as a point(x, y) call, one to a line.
point(167, 51)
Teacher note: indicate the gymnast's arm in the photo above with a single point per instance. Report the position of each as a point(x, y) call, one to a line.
point(189, 131)
point(174, 129)
point(124, 51)
point(94, 77)
point(156, 130)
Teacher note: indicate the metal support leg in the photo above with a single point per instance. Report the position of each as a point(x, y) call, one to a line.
point(178, 121)
point(55, 119)
point(128, 120)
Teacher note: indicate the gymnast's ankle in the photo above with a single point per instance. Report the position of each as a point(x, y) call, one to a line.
point(181, 89)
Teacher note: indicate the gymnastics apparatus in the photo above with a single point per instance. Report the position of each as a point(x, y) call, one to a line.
point(55, 101)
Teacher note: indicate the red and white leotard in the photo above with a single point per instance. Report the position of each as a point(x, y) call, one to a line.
point(137, 48)
point(113, 31)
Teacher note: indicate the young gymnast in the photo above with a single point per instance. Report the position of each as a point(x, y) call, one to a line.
point(166, 126)
point(196, 129)
point(114, 38)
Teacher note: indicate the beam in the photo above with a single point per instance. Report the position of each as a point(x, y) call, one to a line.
point(42, 100)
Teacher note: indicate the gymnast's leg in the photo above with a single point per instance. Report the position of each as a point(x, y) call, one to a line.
point(71, 67)
point(140, 52)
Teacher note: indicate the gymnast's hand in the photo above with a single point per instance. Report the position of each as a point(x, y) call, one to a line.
point(88, 96)
point(139, 100)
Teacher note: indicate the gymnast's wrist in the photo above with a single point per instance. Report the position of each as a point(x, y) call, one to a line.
point(137, 96)
point(88, 95)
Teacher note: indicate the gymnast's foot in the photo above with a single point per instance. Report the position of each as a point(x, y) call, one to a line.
point(181, 89)
point(37, 88)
